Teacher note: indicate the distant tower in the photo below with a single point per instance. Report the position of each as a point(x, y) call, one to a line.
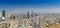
point(3, 15)
point(27, 14)
point(32, 13)
point(11, 16)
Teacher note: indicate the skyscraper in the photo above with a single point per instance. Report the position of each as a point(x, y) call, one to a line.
point(27, 14)
point(3, 15)
point(32, 13)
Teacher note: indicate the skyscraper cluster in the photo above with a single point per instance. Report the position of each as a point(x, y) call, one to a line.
point(31, 15)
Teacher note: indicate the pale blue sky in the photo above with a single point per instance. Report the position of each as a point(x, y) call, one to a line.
point(39, 6)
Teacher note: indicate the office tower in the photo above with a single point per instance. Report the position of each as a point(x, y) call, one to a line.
point(35, 14)
point(11, 16)
point(3, 15)
point(32, 13)
point(27, 14)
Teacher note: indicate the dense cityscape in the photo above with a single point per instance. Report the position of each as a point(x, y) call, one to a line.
point(28, 20)
point(29, 13)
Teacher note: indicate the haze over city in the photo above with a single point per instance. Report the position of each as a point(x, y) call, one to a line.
point(38, 6)
point(29, 13)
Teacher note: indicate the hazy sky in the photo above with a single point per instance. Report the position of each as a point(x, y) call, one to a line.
point(39, 6)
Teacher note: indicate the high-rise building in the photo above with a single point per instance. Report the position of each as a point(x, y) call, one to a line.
point(27, 14)
point(11, 16)
point(32, 13)
point(3, 15)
